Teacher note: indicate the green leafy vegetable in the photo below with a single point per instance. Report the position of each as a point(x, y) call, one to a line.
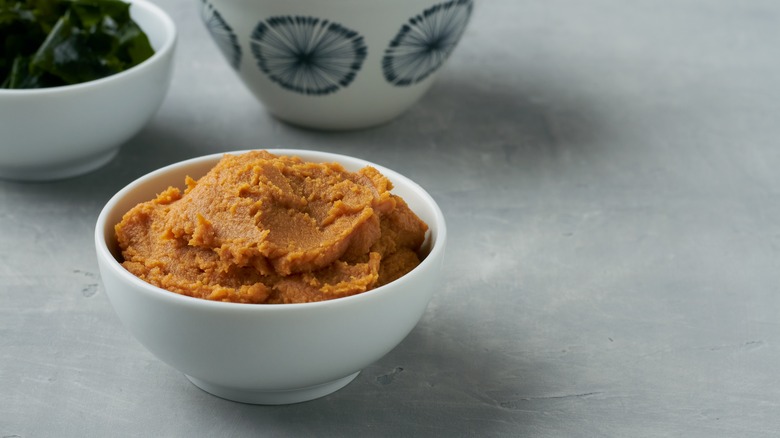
point(48, 43)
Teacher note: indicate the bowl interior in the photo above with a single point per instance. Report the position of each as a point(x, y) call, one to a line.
point(144, 189)
point(148, 186)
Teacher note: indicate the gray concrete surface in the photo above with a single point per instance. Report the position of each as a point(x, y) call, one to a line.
point(609, 171)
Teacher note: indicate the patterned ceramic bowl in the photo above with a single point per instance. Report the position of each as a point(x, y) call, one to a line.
point(337, 64)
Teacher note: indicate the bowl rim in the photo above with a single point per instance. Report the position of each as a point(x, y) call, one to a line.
point(163, 20)
point(103, 252)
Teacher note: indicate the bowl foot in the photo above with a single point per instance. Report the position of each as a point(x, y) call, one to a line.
point(58, 171)
point(280, 397)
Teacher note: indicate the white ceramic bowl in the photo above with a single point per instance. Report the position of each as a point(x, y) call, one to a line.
point(272, 353)
point(336, 64)
point(59, 132)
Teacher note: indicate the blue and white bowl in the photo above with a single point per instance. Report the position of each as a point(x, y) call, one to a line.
point(337, 64)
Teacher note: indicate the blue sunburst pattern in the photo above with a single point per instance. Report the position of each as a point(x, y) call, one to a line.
point(308, 55)
point(222, 33)
point(425, 42)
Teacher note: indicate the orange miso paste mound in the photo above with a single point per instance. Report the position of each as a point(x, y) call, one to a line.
point(261, 228)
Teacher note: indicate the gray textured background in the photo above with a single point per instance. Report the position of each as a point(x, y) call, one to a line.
point(609, 172)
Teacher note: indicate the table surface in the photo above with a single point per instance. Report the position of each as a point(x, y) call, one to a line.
point(609, 174)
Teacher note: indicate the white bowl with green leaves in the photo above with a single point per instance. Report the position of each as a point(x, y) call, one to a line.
point(66, 130)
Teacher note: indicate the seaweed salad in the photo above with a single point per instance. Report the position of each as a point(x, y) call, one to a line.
point(49, 43)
